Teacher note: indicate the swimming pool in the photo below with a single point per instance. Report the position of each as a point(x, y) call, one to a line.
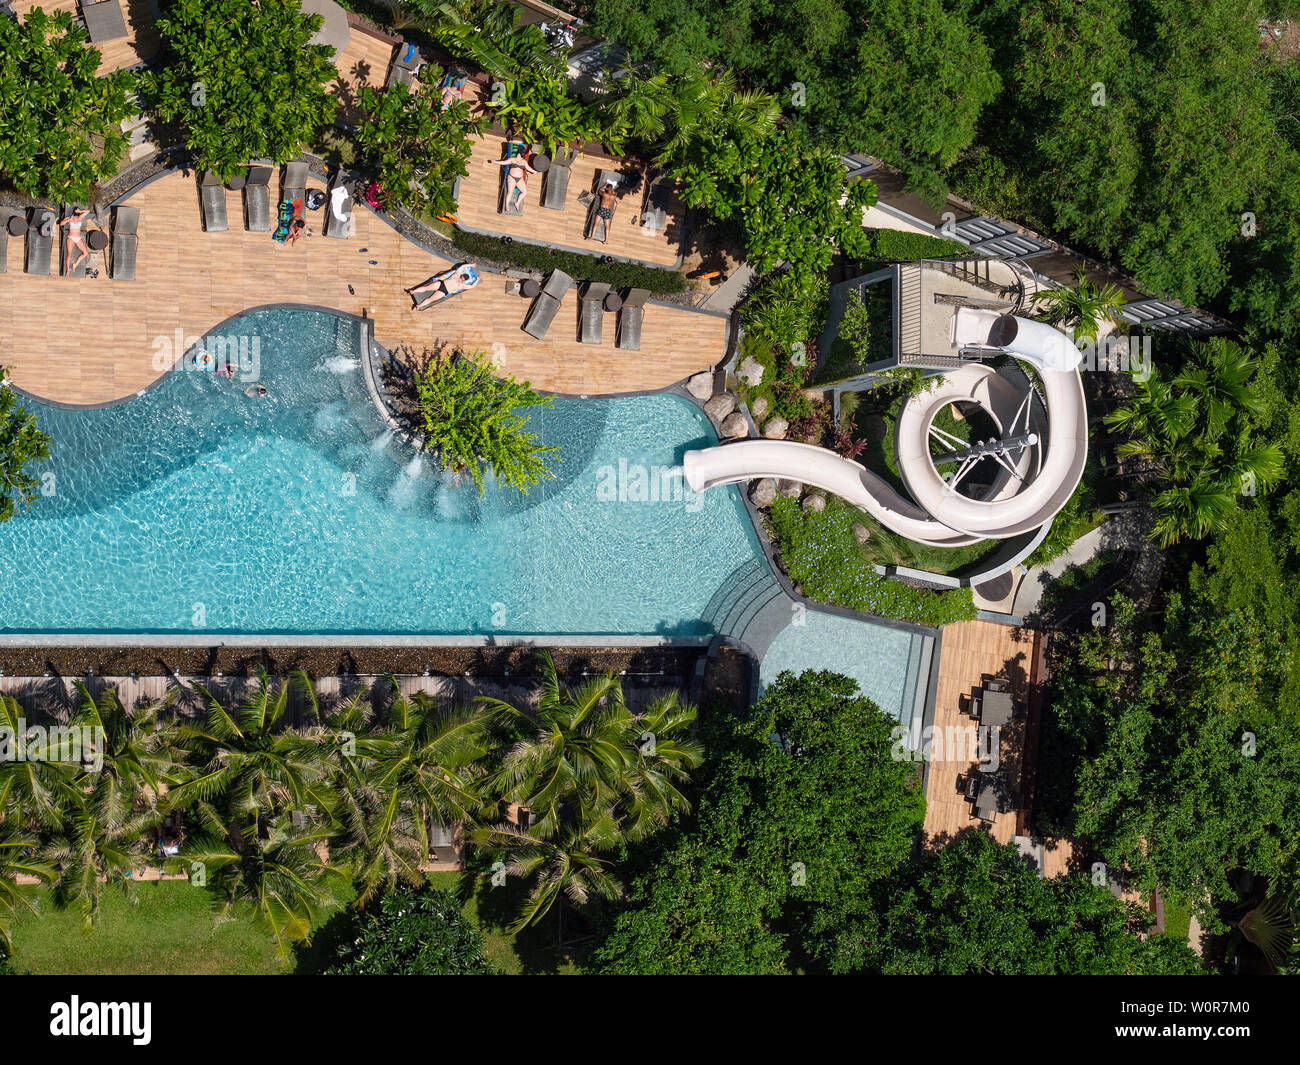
point(196, 508)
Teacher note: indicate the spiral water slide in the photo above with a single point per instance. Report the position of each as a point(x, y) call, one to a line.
point(1035, 476)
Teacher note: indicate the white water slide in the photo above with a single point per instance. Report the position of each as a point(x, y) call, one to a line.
point(1034, 478)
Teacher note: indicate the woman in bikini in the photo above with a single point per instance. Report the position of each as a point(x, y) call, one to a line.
point(444, 286)
point(518, 169)
point(76, 240)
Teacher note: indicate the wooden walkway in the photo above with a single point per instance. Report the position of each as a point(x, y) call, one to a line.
point(971, 652)
point(93, 340)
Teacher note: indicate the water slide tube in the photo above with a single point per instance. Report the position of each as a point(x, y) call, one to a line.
point(1020, 499)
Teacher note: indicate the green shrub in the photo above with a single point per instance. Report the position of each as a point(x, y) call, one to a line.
point(821, 556)
point(583, 267)
point(895, 244)
point(412, 933)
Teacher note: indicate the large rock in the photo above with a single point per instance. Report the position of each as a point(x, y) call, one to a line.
point(733, 426)
point(789, 489)
point(758, 408)
point(814, 502)
point(750, 371)
point(761, 493)
point(720, 406)
point(861, 533)
point(776, 428)
point(701, 385)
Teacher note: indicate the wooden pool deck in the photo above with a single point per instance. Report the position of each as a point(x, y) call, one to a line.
point(93, 341)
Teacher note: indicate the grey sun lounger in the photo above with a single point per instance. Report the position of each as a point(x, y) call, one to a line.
point(257, 200)
point(126, 221)
point(212, 200)
point(630, 316)
point(597, 227)
point(341, 228)
point(654, 218)
point(555, 182)
point(542, 313)
point(295, 185)
point(6, 213)
point(39, 244)
point(593, 312)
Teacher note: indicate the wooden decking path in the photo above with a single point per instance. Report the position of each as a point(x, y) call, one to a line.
point(479, 197)
point(93, 340)
point(140, 44)
point(972, 651)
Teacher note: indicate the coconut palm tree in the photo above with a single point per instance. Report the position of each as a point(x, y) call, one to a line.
point(1084, 307)
point(567, 865)
point(245, 767)
point(425, 765)
point(35, 790)
point(117, 802)
point(664, 754)
point(18, 857)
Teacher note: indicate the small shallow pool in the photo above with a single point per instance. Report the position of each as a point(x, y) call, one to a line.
point(197, 508)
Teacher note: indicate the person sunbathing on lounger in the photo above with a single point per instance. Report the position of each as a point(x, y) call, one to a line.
point(443, 286)
point(605, 212)
point(518, 169)
point(453, 90)
point(76, 240)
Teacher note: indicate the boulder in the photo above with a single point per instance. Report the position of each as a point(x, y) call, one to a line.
point(758, 408)
point(861, 533)
point(761, 493)
point(814, 502)
point(776, 428)
point(701, 385)
point(789, 489)
point(750, 371)
point(720, 406)
point(733, 426)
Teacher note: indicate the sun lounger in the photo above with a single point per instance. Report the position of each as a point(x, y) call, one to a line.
point(212, 201)
point(555, 182)
point(598, 227)
point(40, 239)
point(125, 223)
point(514, 149)
point(407, 64)
point(62, 231)
point(654, 217)
point(630, 316)
point(593, 311)
point(289, 210)
point(257, 200)
point(542, 312)
point(295, 182)
point(338, 212)
point(469, 270)
point(6, 213)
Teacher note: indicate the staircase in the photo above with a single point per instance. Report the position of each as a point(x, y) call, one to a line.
point(747, 590)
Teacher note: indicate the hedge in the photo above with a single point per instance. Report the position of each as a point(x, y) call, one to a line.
point(895, 244)
point(581, 267)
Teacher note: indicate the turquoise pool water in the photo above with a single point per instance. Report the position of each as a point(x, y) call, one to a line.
point(196, 508)
point(889, 664)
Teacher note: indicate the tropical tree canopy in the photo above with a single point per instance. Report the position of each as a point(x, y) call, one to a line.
point(240, 81)
point(21, 442)
point(472, 419)
point(60, 126)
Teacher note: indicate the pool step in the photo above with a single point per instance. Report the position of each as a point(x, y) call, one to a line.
point(740, 599)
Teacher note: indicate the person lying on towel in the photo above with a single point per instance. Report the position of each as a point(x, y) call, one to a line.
point(445, 285)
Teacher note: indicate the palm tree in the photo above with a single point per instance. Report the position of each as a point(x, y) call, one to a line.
point(34, 791)
point(424, 766)
point(1219, 383)
point(118, 802)
point(1085, 306)
point(593, 774)
point(567, 866)
point(245, 769)
point(17, 858)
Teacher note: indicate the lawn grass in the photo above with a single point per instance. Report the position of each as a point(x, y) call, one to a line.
point(169, 930)
point(1178, 918)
